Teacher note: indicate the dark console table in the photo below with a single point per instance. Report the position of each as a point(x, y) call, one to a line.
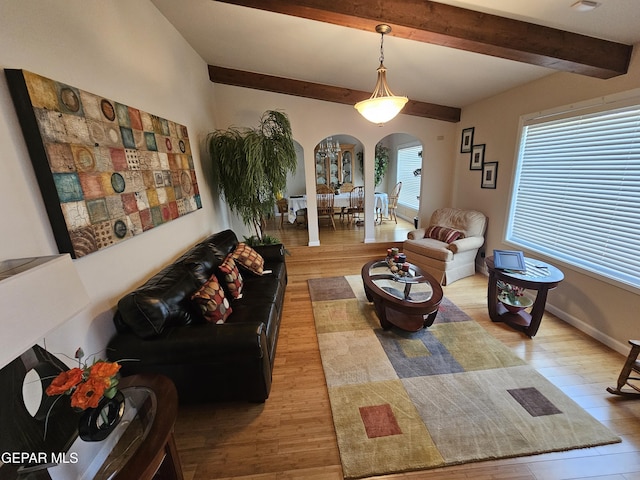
point(539, 276)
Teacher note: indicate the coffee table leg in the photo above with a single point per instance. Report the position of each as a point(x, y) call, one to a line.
point(368, 294)
point(381, 311)
point(429, 319)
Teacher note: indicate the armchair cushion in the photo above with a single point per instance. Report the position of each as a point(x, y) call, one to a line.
point(444, 234)
point(430, 247)
point(470, 222)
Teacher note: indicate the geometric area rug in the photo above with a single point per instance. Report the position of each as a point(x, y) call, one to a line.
point(445, 395)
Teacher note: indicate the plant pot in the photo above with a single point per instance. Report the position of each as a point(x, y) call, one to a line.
point(97, 423)
point(519, 303)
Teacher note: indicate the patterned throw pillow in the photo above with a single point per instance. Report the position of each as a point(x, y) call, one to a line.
point(213, 304)
point(248, 258)
point(232, 277)
point(444, 234)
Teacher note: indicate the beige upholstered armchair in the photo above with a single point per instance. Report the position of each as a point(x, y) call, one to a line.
point(447, 248)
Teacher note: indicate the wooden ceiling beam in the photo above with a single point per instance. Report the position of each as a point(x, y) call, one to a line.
point(460, 28)
point(318, 91)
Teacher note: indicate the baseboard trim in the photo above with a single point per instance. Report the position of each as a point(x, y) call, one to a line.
point(589, 330)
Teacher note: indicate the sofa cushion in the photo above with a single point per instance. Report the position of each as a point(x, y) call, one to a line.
point(222, 243)
point(444, 234)
point(201, 260)
point(249, 258)
point(163, 301)
point(263, 289)
point(212, 301)
point(231, 278)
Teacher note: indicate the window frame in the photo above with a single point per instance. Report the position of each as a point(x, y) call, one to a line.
point(600, 105)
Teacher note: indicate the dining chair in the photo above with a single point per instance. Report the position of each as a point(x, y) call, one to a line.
point(323, 188)
point(356, 204)
point(325, 206)
point(393, 202)
point(283, 209)
point(346, 187)
point(342, 211)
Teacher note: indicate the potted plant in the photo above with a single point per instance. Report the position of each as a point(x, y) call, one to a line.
point(250, 166)
point(512, 297)
point(381, 163)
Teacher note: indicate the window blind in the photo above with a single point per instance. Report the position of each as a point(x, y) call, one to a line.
point(576, 193)
point(409, 160)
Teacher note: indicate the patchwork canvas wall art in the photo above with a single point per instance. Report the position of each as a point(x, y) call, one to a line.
point(106, 171)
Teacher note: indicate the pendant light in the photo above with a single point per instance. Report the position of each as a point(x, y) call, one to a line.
point(383, 105)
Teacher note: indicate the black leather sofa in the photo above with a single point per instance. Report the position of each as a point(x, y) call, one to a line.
point(161, 330)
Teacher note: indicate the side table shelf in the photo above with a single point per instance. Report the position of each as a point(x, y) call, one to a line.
point(540, 276)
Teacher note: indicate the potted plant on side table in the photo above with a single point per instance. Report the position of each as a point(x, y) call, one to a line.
point(512, 297)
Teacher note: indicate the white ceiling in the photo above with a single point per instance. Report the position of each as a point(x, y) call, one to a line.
point(280, 45)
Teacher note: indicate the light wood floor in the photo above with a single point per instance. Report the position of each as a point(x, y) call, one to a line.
point(344, 234)
point(291, 436)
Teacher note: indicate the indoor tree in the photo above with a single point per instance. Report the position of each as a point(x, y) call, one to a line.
point(380, 165)
point(250, 166)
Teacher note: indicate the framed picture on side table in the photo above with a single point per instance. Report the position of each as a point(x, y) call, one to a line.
point(467, 140)
point(489, 175)
point(477, 157)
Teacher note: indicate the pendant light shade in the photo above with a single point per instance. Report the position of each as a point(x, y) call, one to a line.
point(383, 105)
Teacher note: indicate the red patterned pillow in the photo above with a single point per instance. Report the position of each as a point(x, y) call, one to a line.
point(247, 257)
point(232, 277)
point(444, 234)
point(213, 304)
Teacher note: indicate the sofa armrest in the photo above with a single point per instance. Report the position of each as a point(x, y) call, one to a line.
point(416, 234)
point(465, 244)
point(271, 252)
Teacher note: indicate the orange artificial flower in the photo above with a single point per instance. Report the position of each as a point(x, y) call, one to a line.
point(89, 393)
point(86, 384)
point(104, 370)
point(65, 381)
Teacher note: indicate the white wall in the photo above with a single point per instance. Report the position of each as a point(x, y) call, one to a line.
point(126, 51)
point(313, 120)
point(605, 311)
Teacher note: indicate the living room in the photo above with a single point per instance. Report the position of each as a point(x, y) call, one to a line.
point(128, 51)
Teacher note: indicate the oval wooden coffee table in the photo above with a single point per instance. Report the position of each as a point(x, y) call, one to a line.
point(409, 302)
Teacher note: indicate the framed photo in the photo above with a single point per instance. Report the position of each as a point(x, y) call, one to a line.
point(477, 157)
point(509, 260)
point(467, 140)
point(489, 174)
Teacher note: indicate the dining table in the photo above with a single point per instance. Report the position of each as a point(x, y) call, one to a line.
point(299, 202)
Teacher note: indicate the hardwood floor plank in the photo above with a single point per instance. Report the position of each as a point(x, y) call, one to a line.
point(291, 435)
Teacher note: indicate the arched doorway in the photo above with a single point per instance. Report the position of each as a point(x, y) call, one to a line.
point(337, 159)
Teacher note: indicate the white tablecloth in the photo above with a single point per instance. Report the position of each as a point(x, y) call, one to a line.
point(339, 201)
